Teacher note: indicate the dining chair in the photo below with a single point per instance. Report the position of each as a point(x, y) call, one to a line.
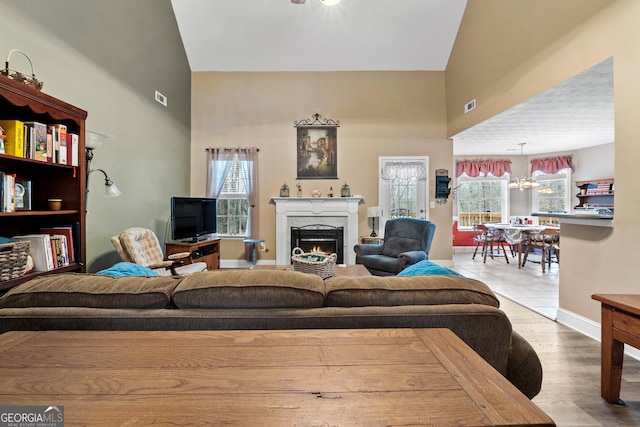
point(548, 241)
point(488, 238)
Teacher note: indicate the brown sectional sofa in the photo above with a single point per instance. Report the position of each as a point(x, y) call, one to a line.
point(265, 299)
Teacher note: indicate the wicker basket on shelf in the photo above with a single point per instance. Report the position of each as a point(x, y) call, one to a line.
point(13, 260)
point(315, 262)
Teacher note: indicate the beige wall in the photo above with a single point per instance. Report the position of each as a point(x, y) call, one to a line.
point(380, 114)
point(503, 63)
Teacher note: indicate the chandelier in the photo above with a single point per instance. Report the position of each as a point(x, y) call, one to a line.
point(523, 183)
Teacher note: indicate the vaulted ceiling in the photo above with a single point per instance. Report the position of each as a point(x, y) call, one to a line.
point(398, 35)
point(277, 35)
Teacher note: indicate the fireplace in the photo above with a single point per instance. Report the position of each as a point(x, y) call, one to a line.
point(336, 212)
point(319, 238)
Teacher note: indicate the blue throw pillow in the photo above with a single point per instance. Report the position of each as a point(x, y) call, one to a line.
point(123, 269)
point(426, 267)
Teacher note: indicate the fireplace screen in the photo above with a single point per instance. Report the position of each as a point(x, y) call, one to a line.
point(319, 238)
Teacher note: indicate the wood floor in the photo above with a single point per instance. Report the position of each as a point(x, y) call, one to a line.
point(571, 361)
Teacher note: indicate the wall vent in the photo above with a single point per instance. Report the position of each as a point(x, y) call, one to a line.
point(471, 105)
point(161, 98)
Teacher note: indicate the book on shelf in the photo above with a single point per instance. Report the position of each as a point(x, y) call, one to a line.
point(67, 232)
point(59, 247)
point(14, 142)
point(73, 142)
point(52, 245)
point(62, 158)
point(60, 136)
point(8, 181)
point(54, 131)
point(38, 136)
point(40, 251)
point(49, 149)
point(27, 141)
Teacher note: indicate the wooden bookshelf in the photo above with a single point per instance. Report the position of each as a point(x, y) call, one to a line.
point(597, 193)
point(49, 180)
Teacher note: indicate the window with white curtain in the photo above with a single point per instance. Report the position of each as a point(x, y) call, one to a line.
point(233, 204)
point(403, 187)
point(232, 179)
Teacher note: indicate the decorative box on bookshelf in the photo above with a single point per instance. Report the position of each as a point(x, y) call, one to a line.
point(45, 178)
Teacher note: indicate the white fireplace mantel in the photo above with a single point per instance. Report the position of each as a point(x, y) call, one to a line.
point(335, 211)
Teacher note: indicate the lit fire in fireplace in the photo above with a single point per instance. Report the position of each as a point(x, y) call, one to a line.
point(317, 249)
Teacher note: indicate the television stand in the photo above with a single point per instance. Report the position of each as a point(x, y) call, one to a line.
point(207, 251)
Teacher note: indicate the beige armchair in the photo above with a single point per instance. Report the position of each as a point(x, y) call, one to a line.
point(141, 246)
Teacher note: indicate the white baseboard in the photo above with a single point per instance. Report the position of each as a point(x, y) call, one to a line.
point(238, 263)
point(589, 328)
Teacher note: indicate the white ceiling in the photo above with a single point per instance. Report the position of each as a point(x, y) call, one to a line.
point(398, 35)
point(355, 35)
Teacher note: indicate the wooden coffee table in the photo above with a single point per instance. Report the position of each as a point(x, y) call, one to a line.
point(338, 271)
point(365, 377)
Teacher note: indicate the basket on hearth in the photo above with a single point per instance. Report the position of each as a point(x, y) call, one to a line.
point(313, 262)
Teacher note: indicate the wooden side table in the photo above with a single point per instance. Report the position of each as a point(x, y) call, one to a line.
point(207, 251)
point(620, 326)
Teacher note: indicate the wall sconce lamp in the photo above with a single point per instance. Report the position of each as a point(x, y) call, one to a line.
point(374, 212)
point(94, 140)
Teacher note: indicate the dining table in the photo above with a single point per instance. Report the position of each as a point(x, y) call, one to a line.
point(517, 233)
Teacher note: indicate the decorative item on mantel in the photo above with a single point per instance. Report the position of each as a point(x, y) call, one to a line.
point(316, 193)
point(299, 192)
point(284, 190)
point(345, 191)
point(20, 77)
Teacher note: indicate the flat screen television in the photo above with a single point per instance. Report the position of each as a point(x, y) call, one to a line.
point(192, 217)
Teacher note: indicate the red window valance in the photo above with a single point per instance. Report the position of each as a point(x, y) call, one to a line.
point(551, 164)
point(483, 167)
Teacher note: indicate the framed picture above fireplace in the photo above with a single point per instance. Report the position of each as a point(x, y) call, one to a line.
point(317, 148)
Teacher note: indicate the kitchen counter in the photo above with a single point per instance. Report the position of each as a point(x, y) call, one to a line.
point(595, 220)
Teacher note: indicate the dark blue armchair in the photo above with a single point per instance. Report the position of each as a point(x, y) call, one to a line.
point(406, 241)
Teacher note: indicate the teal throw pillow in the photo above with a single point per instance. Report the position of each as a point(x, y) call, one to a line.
point(426, 267)
point(123, 269)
